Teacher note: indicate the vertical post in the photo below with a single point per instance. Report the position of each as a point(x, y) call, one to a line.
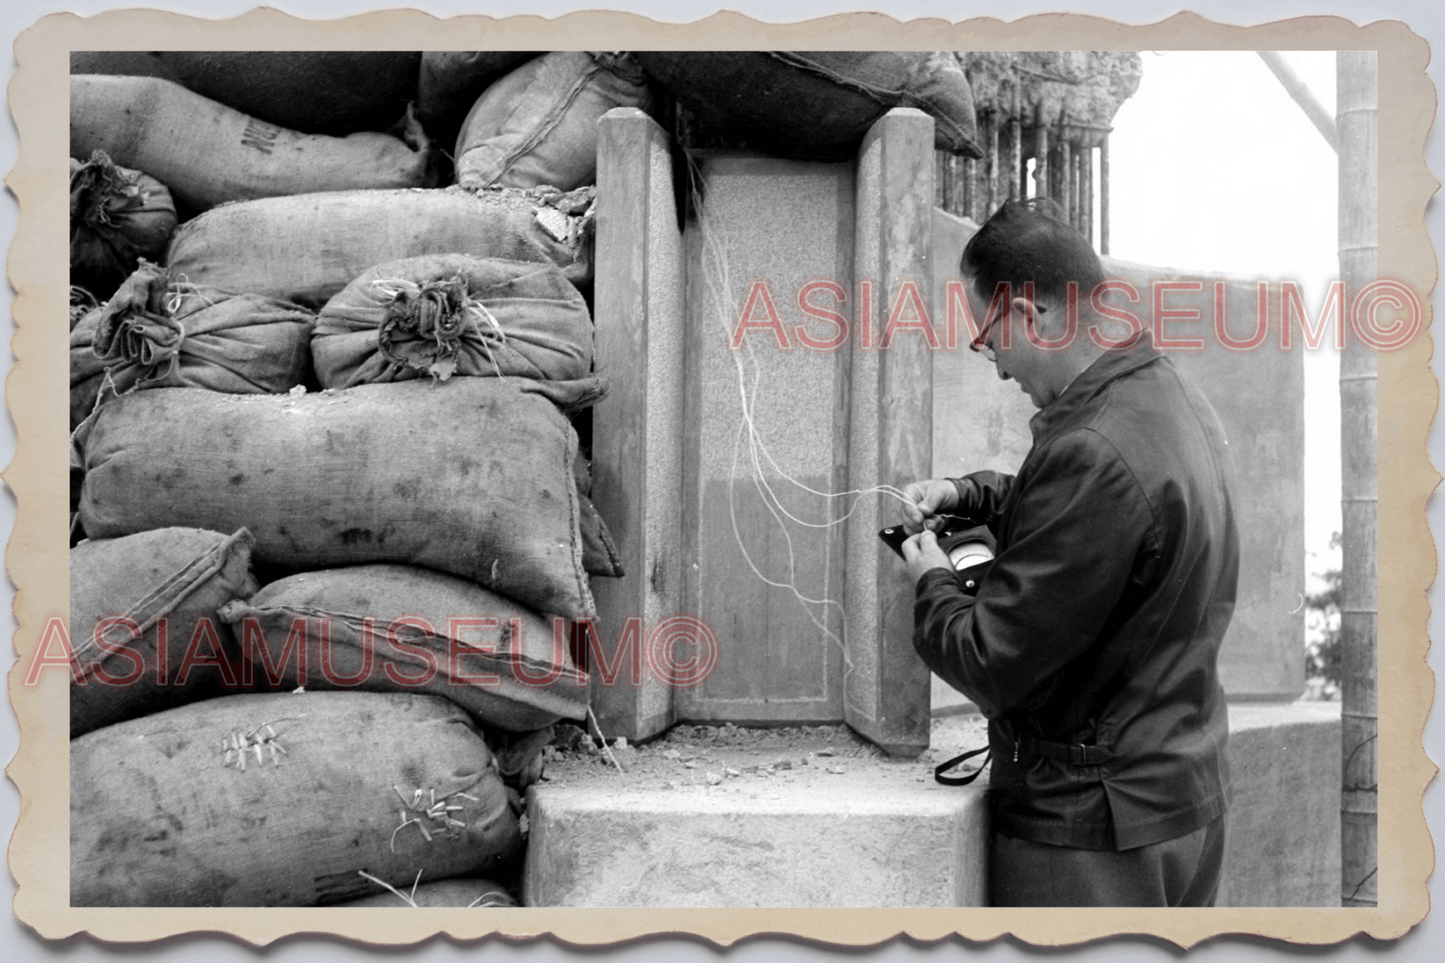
point(941, 193)
point(1086, 192)
point(890, 441)
point(984, 207)
point(1016, 165)
point(1359, 255)
point(637, 428)
point(969, 179)
point(1042, 167)
point(1064, 178)
point(1104, 195)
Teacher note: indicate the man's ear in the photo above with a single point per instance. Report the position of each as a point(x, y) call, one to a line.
point(1032, 317)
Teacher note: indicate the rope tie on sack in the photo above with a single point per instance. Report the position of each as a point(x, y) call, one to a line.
point(95, 187)
point(82, 302)
point(438, 313)
point(137, 326)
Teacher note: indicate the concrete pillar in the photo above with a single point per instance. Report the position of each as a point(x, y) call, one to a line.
point(637, 428)
point(891, 428)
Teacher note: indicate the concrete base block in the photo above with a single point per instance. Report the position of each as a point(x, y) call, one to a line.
point(907, 844)
point(885, 834)
point(1282, 844)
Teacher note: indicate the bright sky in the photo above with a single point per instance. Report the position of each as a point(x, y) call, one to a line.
point(1213, 166)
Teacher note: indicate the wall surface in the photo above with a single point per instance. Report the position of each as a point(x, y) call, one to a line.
point(1282, 839)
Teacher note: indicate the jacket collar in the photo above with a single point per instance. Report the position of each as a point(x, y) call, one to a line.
point(1110, 365)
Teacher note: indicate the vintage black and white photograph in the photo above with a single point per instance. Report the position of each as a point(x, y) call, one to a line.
point(687, 478)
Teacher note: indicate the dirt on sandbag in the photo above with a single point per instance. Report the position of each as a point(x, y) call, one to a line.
point(471, 476)
point(284, 799)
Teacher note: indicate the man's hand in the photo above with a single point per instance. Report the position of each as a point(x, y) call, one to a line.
point(925, 501)
point(922, 554)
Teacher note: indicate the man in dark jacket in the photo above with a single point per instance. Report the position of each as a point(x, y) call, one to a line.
point(1090, 641)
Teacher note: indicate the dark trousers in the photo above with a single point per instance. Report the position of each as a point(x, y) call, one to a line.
point(1175, 872)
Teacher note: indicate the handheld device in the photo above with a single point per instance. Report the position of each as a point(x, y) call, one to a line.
point(965, 543)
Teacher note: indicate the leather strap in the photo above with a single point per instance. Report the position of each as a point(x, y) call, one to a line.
point(939, 770)
point(1077, 755)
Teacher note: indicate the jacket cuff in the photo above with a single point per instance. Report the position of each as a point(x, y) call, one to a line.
point(933, 578)
point(967, 494)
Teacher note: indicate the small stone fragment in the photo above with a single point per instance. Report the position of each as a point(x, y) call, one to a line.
point(713, 779)
point(671, 754)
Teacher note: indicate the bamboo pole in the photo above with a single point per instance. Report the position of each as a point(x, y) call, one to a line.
point(1359, 257)
point(1296, 89)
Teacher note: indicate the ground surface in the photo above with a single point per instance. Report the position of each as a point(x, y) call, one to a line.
point(758, 763)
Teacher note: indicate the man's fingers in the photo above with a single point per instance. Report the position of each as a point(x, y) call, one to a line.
point(917, 544)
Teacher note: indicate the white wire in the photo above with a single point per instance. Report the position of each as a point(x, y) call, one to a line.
point(715, 274)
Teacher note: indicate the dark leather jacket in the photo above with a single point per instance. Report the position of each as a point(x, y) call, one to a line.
point(1099, 622)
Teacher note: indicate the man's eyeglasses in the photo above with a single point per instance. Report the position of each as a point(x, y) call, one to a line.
point(977, 344)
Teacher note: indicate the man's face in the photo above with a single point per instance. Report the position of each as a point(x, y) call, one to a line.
point(1006, 342)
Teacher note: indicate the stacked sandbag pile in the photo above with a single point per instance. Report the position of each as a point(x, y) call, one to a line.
point(333, 508)
point(333, 511)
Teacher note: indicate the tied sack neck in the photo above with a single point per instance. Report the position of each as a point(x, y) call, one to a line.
point(427, 323)
point(137, 326)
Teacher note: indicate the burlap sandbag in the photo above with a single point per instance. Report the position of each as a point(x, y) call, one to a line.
point(599, 552)
point(471, 476)
point(450, 81)
point(817, 103)
point(157, 333)
point(82, 302)
point(87, 371)
point(538, 124)
point(512, 672)
point(449, 893)
point(117, 217)
point(161, 589)
point(333, 92)
point(445, 314)
point(127, 63)
point(207, 153)
point(283, 800)
point(307, 249)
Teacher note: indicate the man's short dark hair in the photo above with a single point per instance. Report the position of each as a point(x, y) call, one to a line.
point(1030, 240)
